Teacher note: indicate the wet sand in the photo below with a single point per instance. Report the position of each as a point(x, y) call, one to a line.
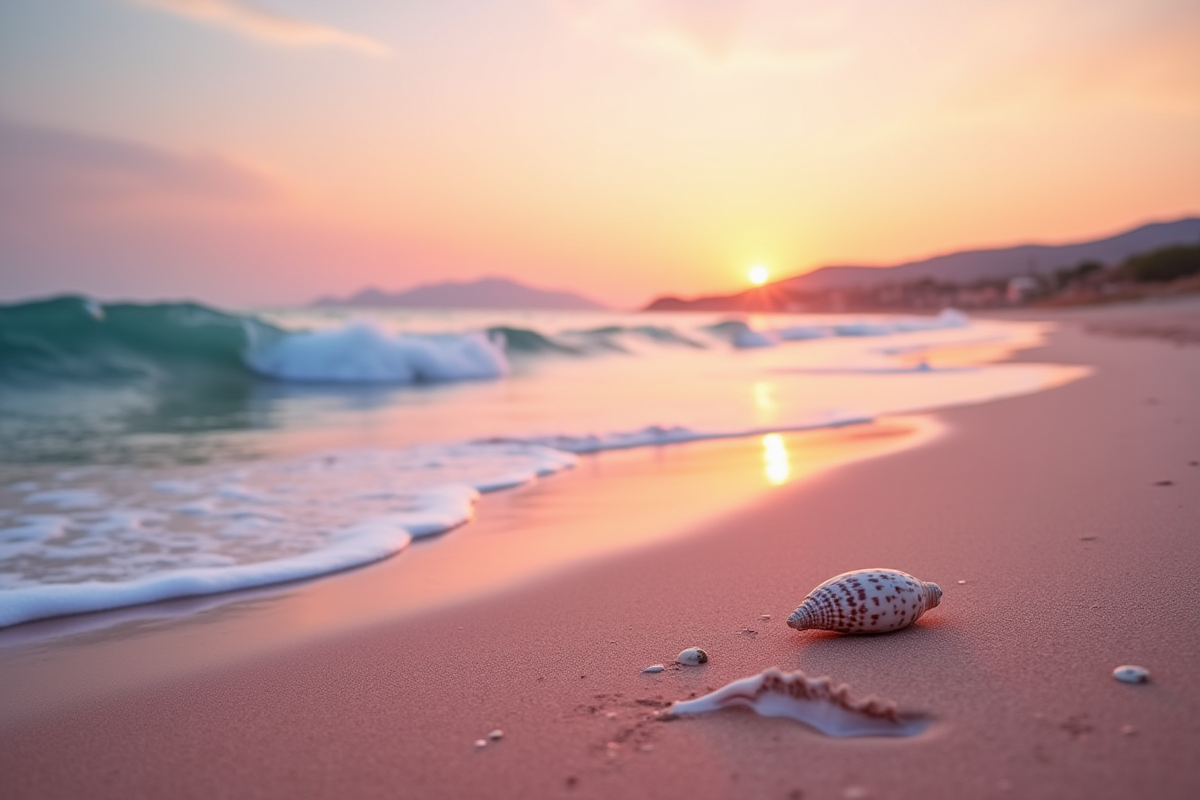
point(1073, 516)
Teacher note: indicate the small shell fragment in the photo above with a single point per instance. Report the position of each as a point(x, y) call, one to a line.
point(1130, 673)
point(765, 617)
point(866, 601)
point(817, 702)
point(654, 668)
point(692, 657)
point(496, 735)
point(480, 744)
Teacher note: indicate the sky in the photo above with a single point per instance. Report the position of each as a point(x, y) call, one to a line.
point(266, 152)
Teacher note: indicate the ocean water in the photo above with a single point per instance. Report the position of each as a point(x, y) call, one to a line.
point(167, 450)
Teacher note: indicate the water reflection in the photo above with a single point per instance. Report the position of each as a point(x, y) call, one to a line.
point(775, 459)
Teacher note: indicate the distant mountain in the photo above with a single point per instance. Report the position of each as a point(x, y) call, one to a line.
point(967, 266)
point(483, 293)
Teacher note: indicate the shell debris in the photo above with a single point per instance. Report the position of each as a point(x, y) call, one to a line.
point(496, 735)
point(1131, 673)
point(866, 601)
point(653, 668)
point(816, 702)
point(692, 657)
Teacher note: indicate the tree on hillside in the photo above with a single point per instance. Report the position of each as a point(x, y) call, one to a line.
point(1165, 264)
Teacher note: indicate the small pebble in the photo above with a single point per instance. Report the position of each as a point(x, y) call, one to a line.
point(692, 657)
point(1128, 730)
point(480, 744)
point(962, 583)
point(611, 715)
point(654, 668)
point(765, 617)
point(1130, 673)
point(496, 735)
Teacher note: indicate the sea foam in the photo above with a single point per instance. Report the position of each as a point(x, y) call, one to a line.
point(363, 352)
point(744, 336)
point(90, 538)
point(211, 529)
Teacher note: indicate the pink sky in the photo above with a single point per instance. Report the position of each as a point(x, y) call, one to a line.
point(266, 153)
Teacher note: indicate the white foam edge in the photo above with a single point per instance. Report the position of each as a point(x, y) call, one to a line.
point(657, 435)
point(443, 508)
point(363, 544)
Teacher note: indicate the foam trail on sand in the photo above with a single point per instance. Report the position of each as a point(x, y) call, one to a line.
point(215, 530)
point(655, 435)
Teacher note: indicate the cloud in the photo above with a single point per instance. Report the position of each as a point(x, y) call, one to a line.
point(256, 22)
point(51, 172)
point(978, 58)
point(719, 33)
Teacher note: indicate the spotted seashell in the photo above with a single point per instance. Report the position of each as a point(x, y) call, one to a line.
point(693, 657)
point(866, 601)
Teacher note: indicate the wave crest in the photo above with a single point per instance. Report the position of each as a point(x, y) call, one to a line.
point(362, 352)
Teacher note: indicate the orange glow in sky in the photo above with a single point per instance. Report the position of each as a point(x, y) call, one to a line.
point(759, 274)
point(267, 152)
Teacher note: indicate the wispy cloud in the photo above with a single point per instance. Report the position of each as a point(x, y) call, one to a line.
point(262, 24)
point(719, 33)
point(979, 58)
point(53, 171)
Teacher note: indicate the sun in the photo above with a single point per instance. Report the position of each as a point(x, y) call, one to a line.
point(759, 274)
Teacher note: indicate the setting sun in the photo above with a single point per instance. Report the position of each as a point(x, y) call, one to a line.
point(759, 274)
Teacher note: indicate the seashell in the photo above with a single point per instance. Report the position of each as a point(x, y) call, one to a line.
point(816, 702)
point(654, 668)
point(496, 735)
point(692, 657)
point(866, 601)
point(1130, 673)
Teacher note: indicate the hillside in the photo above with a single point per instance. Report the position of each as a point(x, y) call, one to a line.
point(500, 293)
point(963, 268)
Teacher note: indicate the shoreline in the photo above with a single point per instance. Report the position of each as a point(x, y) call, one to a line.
point(613, 503)
point(1014, 667)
